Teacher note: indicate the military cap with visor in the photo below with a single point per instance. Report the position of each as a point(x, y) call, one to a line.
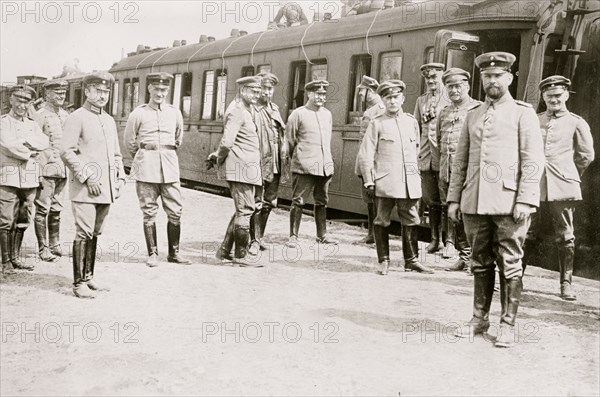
point(555, 82)
point(249, 81)
point(319, 86)
point(99, 78)
point(455, 75)
point(159, 79)
point(58, 86)
point(431, 69)
point(23, 92)
point(268, 79)
point(495, 61)
point(369, 82)
point(391, 87)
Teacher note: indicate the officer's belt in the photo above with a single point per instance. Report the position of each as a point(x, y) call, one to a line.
point(151, 146)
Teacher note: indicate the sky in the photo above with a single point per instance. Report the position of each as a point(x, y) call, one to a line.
point(40, 37)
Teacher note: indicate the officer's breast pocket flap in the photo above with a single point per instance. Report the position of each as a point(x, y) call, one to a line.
point(387, 138)
point(510, 185)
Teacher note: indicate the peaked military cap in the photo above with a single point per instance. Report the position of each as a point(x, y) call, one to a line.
point(24, 92)
point(159, 78)
point(454, 75)
point(249, 81)
point(391, 87)
point(317, 86)
point(499, 61)
point(101, 77)
point(268, 79)
point(430, 69)
point(555, 82)
point(56, 85)
point(369, 82)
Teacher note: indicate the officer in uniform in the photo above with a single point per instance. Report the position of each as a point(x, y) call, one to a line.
point(90, 148)
point(494, 186)
point(449, 125)
point(49, 197)
point(427, 109)
point(388, 163)
point(375, 107)
point(308, 131)
point(153, 133)
point(274, 157)
point(238, 160)
point(21, 141)
point(569, 150)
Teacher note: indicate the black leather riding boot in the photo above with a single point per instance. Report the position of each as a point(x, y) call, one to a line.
point(321, 222)
point(242, 238)
point(410, 250)
point(224, 251)
point(151, 244)
point(382, 242)
point(54, 233)
point(510, 293)
point(263, 218)
point(5, 237)
point(15, 252)
point(39, 225)
point(173, 236)
point(295, 220)
point(435, 222)
point(80, 266)
point(566, 255)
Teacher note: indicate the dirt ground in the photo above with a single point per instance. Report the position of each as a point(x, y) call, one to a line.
point(311, 322)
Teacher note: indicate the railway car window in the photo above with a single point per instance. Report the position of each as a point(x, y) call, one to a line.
point(318, 70)
point(209, 85)
point(360, 66)
point(264, 69)
point(135, 97)
point(297, 82)
point(391, 66)
point(247, 71)
point(428, 58)
point(221, 94)
point(186, 95)
point(126, 98)
point(176, 95)
point(115, 98)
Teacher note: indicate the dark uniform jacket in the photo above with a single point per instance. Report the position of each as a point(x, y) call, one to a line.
point(273, 144)
point(426, 112)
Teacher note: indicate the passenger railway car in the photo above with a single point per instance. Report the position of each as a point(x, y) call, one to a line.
point(548, 37)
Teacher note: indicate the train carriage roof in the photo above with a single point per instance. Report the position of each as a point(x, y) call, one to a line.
point(407, 17)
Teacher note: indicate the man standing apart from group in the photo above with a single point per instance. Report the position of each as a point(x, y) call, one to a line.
point(90, 148)
point(569, 150)
point(495, 186)
point(21, 141)
point(274, 157)
point(49, 197)
point(238, 160)
point(309, 130)
point(367, 90)
point(153, 133)
point(427, 109)
point(388, 163)
point(449, 127)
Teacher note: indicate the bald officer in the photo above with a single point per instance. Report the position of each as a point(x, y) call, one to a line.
point(367, 90)
point(308, 132)
point(427, 109)
point(569, 150)
point(90, 148)
point(274, 157)
point(449, 126)
point(238, 159)
point(49, 196)
point(153, 133)
point(494, 185)
point(21, 141)
point(388, 163)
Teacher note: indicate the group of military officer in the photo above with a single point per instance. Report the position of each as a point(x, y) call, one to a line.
point(486, 164)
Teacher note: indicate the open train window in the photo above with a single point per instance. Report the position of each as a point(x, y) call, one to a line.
point(296, 86)
point(215, 88)
point(390, 67)
point(428, 56)
point(247, 71)
point(318, 70)
point(186, 95)
point(360, 65)
point(126, 98)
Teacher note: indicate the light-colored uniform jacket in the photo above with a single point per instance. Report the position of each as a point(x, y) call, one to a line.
point(309, 131)
point(90, 148)
point(20, 143)
point(569, 149)
point(499, 159)
point(238, 156)
point(369, 114)
point(388, 156)
point(52, 124)
point(149, 125)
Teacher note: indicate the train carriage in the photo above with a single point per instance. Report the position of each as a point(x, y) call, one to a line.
point(548, 37)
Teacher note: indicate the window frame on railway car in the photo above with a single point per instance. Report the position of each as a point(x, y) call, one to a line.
point(360, 65)
point(266, 68)
point(131, 93)
point(297, 80)
point(186, 82)
point(247, 71)
point(114, 99)
point(214, 95)
point(396, 54)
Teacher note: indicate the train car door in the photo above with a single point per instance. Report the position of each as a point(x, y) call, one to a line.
point(458, 50)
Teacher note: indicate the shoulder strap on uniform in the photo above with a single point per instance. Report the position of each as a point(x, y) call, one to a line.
point(576, 116)
point(526, 104)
